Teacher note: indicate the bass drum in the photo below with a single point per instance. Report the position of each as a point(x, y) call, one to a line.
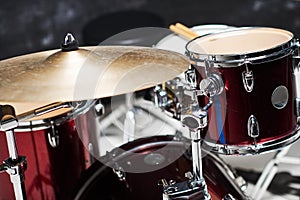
point(134, 170)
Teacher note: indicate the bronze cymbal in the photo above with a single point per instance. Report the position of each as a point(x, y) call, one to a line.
point(86, 73)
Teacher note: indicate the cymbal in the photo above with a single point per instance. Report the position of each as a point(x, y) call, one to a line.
point(86, 73)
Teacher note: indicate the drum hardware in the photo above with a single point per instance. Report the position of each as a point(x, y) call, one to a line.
point(253, 128)
point(248, 77)
point(15, 165)
point(196, 119)
point(53, 137)
point(210, 86)
point(165, 99)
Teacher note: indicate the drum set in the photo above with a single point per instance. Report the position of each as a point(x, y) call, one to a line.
point(235, 90)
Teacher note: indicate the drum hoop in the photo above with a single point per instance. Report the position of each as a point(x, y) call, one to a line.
point(252, 149)
point(37, 125)
point(236, 60)
point(116, 155)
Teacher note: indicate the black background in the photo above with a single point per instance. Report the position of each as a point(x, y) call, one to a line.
point(36, 25)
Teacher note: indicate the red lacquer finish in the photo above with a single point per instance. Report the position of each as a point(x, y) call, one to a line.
point(52, 172)
point(237, 104)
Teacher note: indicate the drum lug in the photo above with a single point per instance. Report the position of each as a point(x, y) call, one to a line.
point(253, 128)
point(53, 137)
point(247, 76)
point(248, 80)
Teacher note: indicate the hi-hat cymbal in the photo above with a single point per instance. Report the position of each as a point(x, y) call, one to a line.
point(86, 73)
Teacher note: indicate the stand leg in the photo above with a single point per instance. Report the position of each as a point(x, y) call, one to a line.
point(15, 165)
point(268, 174)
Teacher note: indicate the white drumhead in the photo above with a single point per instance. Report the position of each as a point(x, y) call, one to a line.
point(176, 43)
point(241, 41)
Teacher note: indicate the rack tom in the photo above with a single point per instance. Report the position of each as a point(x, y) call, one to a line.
point(254, 111)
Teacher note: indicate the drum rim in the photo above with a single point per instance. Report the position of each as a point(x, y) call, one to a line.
point(126, 150)
point(36, 125)
point(265, 147)
point(235, 60)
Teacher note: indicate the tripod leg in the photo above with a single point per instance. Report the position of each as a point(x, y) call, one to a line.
point(268, 174)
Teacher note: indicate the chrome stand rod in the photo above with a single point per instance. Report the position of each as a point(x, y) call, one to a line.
point(196, 156)
point(11, 144)
point(15, 165)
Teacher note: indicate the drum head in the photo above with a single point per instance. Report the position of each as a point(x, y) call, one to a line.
point(239, 42)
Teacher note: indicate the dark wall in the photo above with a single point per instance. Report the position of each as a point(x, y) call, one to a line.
point(31, 26)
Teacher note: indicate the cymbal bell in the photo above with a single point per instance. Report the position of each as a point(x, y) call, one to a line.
point(86, 73)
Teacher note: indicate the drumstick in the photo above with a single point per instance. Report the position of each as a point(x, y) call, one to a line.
point(186, 29)
point(184, 32)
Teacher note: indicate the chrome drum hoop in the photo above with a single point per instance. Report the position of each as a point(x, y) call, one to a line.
point(235, 60)
point(252, 149)
point(79, 108)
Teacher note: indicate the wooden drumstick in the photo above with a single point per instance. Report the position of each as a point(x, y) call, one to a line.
point(186, 29)
point(183, 31)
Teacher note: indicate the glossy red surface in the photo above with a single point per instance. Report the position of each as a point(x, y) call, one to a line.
point(237, 104)
point(103, 183)
point(52, 172)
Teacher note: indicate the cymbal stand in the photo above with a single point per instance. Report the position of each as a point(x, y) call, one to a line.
point(129, 122)
point(15, 165)
point(196, 120)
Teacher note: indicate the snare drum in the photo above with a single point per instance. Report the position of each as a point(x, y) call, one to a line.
point(256, 110)
point(134, 170)
point(56, 149)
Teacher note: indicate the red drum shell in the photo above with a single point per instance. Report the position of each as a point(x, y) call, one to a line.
point(102, 182)
point(239, 104)
point(52, 172)
point(271, 68)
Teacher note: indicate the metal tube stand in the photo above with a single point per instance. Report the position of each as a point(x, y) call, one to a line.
point(15, 165)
